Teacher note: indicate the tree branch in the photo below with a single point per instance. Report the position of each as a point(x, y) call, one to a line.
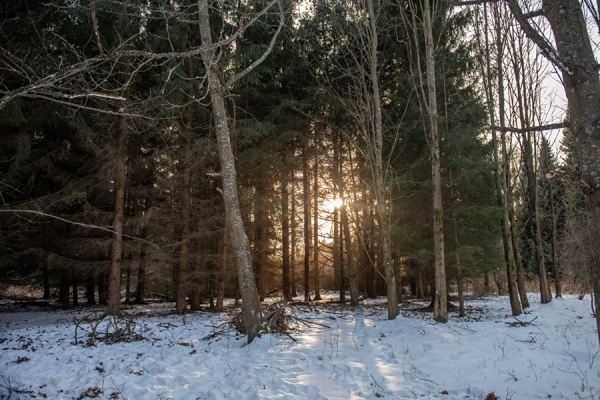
point(95, 24)
point(547, 49)
point(91, 226)
point(120, 52)
point(570, 177)
point(470, 2)
point(540, 128)
point(258, 61)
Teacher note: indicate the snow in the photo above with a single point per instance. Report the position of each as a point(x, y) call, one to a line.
point(338, 353)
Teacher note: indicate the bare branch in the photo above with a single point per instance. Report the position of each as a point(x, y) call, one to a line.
point(533, 14)
point(95, 24)
point(121, 52)
point(91, 226)
point(540, 128)
point(570, 177)
point(258, 61)
point(470, 2)
point(547, 49)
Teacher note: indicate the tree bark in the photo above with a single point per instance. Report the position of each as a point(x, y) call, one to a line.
point(545, 295)
point(307, 228)
point(102, 288)
point(222, 270)
point(183, 275)
point(315, 195)
point(260, 239)
point(114, 277)
point(46, 278)
point(251, 307)
point(63, 292)
point(554, 215)
point(140, 290)
point(390, 278)
point(75, 285)
point(89, 291)
point(293, 292)
point(440, 304)
point(285, 235)
point(350, 256)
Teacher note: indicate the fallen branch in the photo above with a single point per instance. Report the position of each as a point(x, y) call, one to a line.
point(520, 323)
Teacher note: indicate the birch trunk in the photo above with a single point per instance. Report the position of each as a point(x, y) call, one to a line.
point(251, 307)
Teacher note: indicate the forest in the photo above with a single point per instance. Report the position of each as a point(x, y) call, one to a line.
point(195, 151)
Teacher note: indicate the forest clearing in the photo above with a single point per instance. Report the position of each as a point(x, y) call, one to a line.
point(168, 167)
point(330, 352)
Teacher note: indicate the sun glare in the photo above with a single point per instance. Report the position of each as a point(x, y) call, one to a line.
point(331, 204)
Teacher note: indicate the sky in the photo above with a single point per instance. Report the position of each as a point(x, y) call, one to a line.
point(332, 352)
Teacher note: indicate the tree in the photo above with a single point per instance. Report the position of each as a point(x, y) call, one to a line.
point(252, 313)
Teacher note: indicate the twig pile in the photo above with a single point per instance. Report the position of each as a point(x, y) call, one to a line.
point(108, 329)
point(278, 317)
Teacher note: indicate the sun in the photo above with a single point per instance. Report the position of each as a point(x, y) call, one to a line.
point(330, 205)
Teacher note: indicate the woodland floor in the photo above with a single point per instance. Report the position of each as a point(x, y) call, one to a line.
point(329, 352)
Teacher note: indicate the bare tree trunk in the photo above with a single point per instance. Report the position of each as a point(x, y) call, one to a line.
point(440, 304)
point(502, 163)
point(336, 251)
point(315, 194)
point(486, 282)
point(251, 307)
point(383, 215)
point(102, 288)
point(461, 290)
point(517, 253)
point(420, 284)
point(223, 269)
point(141, 276)
point(306, 200)
point(186, 214)
point(341, 258)
point(63, 292)
point(90, 290)
point(114, 278)
point(293, 292)
point(46, 278)
point(545, 295)
point(194, 279)
point(260, 241)
point(350, 256)
point(370, 250)
point(128, 281)
point(285, 234)
point(509, 253)
point(459, 273)
point(554, 215)
point(75, 285)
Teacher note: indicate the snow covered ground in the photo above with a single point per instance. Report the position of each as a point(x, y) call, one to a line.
point(338, 354)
